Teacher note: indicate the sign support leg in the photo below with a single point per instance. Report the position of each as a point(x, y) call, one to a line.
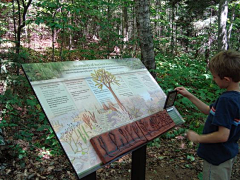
point(91, 176)
point(139, 163)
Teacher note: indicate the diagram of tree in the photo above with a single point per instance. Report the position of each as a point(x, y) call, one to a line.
point(104, 78)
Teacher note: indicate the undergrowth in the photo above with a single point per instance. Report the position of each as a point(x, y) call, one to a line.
point(21, 116)
point(192, 74)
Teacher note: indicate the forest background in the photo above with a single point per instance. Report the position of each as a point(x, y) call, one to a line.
point(174, 38)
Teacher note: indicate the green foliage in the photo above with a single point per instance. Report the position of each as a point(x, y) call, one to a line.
point(156, 143)
point(200, 176)
point(51, 143)
point(173, 133)
point(49, 14)
point(192, 74)
point(19, 152)
point(4, 8)
point(196, 126)
point(43, 71)
point(22, 113)
point(102, 77)
point(191, 158)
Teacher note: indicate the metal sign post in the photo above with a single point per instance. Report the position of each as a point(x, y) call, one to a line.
point(139, 163)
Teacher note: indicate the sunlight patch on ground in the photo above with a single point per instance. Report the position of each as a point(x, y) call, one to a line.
point(43, 153)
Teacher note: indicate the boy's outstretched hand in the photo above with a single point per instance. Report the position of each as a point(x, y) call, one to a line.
point(183, 91)
point(193, 136)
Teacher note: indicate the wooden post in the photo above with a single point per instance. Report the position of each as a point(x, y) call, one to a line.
point(139, 163)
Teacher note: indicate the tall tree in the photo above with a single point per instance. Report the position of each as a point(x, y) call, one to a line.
point(145, 34)
point(21, 20)
point(231, 25)
point(125, 20)
point(222, 21)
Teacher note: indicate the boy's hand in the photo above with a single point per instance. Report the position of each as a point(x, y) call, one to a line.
point(193, 136)
point(183, 91)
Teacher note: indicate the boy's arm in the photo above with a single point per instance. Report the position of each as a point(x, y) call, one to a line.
point(197, 102)
point(219, 136)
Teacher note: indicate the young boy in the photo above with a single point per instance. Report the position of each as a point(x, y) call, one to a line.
point(219, 142)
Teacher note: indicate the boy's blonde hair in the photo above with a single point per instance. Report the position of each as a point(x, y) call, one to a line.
point(226, 64)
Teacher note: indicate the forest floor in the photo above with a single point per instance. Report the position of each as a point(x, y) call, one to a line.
point(168, 161)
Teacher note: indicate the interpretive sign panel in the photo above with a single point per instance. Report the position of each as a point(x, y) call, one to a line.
point(83, 99)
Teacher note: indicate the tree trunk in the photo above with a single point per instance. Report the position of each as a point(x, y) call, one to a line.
point(176, 31)
point(209, 43)
point(159, 9)
point(21, 22)
point(145, 35)
point(172, 33)
point(62, 41)
point(108, 38)
point(156, 26)
point(134, 32)
point(14, 22)
point(125, 24)
point(53, 46)
point(53, 35)
point(116, 98)
point(71, 32)
point(222, 21)
point(230, 27)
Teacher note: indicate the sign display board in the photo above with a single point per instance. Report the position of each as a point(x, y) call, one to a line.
point(84, 99)
point(117, 142)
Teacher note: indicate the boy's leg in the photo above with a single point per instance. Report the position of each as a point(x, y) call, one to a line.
point(221, 172)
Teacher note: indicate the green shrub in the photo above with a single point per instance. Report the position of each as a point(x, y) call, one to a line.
point(181, 70)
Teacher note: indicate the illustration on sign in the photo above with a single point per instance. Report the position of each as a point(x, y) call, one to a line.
point(83, 99)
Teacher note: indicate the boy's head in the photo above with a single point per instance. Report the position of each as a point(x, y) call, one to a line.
point(226, 64)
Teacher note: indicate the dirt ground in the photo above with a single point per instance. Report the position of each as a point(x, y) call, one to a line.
point(174, 159)
point(169, 161)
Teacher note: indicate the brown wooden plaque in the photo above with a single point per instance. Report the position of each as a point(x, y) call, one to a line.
point(156, 124)
point(116, 142)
